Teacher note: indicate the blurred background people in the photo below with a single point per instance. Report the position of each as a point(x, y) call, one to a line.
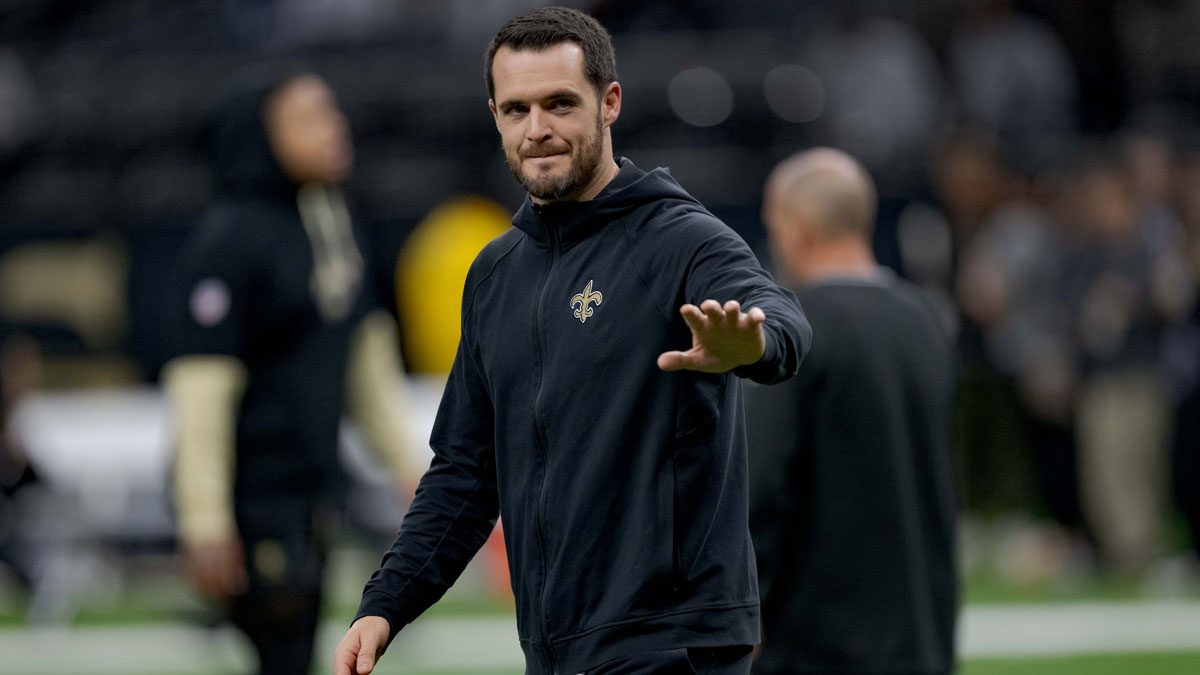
point(1182, 353)
point(852, 495)
point(1123, 412)
point(280, 332)
point(1014, 426)
point(1012, 75)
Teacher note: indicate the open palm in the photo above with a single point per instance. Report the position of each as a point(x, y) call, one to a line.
point(723, 338)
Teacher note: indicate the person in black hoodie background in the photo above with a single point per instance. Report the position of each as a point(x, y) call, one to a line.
point(576, 409)
point(277, 334)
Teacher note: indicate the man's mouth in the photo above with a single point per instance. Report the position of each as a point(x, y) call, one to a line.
point(541, 155)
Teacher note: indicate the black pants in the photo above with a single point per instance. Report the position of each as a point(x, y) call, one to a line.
point(690, 661)
point(285, 560)
point(1185, 464)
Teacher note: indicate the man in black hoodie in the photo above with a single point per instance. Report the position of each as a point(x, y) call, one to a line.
point(575, 409)
point(277, 335)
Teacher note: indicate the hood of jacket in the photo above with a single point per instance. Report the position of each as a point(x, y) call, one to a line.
point(242, 158)
point(568, 221)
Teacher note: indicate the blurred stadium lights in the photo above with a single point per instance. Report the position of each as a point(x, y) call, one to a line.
point(701, 97)
point(794, 93)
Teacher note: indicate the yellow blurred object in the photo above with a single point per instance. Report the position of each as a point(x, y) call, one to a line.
point(430, 274)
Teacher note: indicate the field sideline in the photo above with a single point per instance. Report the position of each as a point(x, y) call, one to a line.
point(1158, 638)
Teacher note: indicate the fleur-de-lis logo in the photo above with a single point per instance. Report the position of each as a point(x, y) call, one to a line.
point(582, 302)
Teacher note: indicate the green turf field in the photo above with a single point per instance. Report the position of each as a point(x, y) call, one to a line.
point(1109, 664)
point(152, 614)
point(1186, 663)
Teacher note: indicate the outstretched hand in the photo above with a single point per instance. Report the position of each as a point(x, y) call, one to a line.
point(723, 338)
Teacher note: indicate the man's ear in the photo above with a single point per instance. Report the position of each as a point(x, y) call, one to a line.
point(495, 115)
point(610, 103)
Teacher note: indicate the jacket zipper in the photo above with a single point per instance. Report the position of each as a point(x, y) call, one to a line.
point(544, 446)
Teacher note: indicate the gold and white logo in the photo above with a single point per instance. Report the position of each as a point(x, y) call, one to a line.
point(582, 302)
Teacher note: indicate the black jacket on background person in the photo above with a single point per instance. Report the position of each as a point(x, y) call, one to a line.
point(248, 291)
point(622, 487)
point(852, 504)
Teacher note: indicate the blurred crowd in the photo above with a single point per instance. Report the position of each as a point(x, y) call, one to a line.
point(1038, 164)
point(1073, 292)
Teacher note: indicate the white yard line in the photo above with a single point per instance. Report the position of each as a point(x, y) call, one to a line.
point(478, 643)
point(1079, 628)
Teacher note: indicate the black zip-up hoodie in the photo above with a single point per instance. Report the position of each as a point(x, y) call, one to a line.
point(623, 488)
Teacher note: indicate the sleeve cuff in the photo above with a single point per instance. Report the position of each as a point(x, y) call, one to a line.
point(388, 606)
point(207, 526)
point(767, 369)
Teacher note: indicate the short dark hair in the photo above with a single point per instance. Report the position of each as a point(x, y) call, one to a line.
point(544, 27)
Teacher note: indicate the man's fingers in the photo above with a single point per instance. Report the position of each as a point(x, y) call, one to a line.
point(733, 311)
point(694, 318)
point(677, 360)
point(723, 337)
point(712, 310)
point(670, 361)
point(344, 658)
point(693, 359)
point(755, 316)
point(366, 659)
point(362, 646)
point(341, 666)
point(368, 644)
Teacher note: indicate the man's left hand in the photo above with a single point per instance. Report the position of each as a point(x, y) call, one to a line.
point(723, 338)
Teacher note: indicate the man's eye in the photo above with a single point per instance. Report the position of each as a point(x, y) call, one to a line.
point(560, 105)
point(517, 110)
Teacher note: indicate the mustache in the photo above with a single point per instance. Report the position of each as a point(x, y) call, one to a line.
point(543, 151)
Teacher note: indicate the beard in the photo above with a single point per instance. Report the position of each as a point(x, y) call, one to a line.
point(585, 161)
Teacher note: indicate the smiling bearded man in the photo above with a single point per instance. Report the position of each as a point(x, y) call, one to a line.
point(584, 158)
point(593, 401)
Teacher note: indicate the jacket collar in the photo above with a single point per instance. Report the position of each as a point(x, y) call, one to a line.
point(562, 223)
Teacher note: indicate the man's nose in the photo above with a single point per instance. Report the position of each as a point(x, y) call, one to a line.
point(539, 125)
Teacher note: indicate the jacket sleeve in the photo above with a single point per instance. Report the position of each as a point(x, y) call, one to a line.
point(219, 282)
point(205, 393)
point(206, 374)
point(455, 507)
point(723, 268)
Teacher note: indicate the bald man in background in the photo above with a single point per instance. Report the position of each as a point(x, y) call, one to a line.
point(852, 506)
